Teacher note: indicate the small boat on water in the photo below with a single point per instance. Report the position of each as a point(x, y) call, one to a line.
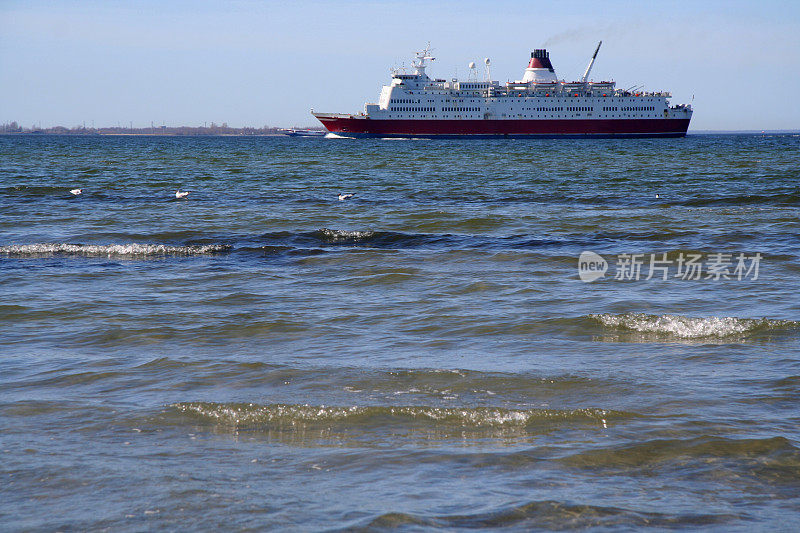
point(292, 132)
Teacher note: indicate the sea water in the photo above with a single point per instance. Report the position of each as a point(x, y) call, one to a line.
point(426, 354)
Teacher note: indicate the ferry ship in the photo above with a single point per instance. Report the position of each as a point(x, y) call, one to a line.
point(538, 105)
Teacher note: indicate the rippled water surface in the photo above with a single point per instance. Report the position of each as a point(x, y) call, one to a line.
point(424, 355)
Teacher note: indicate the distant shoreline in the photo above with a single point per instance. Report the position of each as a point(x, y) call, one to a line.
point(166, 134)
point(53, 134)
point(156, 131)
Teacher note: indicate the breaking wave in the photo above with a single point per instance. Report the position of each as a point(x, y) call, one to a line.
point(110, 250)
point(692, 327)
point(289, 242)
point(335, 235)
point(253, 415)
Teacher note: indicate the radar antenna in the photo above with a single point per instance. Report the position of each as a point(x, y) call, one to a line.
point(488, 63)
point(421, 57)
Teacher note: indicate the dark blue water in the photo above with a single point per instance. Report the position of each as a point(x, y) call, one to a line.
point(424, 355)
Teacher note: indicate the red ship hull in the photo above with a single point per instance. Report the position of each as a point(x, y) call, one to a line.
point(360, 126)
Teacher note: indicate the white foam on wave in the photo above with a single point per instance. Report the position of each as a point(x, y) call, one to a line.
point(110, 250)
point(689, 327)
point(246, 414)
point(341, 235)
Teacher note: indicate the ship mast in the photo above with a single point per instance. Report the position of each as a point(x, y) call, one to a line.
point(422, 56)
point(591, 63)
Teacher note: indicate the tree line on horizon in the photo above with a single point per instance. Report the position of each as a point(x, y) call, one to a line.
point(213, 129)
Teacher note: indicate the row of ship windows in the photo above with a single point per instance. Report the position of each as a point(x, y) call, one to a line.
point(551, 109)
point(463, 100)
point(546, 109)
point(470, 109)
point(424, 109)
point(520, 115)
point(634, 108)
point(476, 109)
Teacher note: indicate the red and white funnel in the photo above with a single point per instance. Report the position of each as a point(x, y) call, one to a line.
point(539, 68)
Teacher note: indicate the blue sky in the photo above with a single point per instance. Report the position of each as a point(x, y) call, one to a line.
point(262, 62)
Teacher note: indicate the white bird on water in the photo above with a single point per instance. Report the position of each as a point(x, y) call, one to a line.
point(343, 197)
point(179, 194)
point(76, 192)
